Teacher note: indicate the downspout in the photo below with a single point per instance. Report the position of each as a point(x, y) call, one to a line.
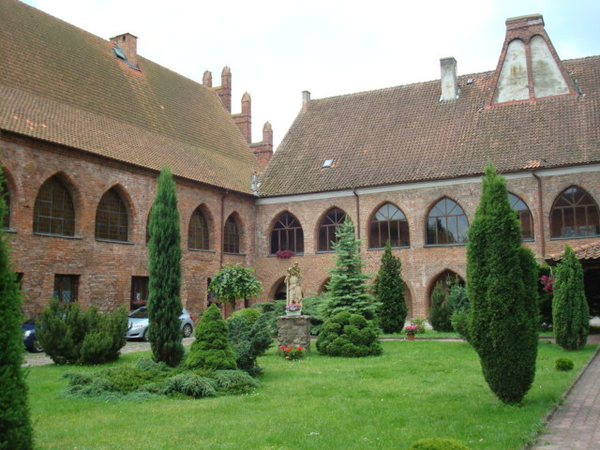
point(357, 213)
point(541, 208)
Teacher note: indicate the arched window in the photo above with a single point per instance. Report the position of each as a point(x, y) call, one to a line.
point(112, 221)
point(198, 236)
point(6, 194)
point(574, 214)
point(333, 219)
point(524, 216)
point(287, 234)
point(388, 224)
point(447, 223)
point(232, 236)
point(53, 211)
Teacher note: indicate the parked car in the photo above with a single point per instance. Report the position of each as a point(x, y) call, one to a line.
point(29, 339)
point(137, 327)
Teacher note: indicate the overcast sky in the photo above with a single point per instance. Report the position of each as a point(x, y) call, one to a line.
point(278, 48)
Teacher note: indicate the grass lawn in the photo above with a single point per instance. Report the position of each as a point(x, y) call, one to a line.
point(414, 390)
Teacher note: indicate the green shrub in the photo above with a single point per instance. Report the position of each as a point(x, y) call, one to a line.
point(349, 335)
point(211, 350)
point(419, 322)
point(311, 306)
point(564, 364)
point(439, 315)
point(389, 291)
point(249, 341)
point(234, 382)
point(461, 323)
point(251, 315)
point(438, 444)
point(70, 337)
point(191, 385)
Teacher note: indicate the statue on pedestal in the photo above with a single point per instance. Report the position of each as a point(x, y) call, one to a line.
point(293, 282)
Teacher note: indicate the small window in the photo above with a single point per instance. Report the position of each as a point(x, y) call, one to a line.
point(139, 292)
point(287, 234)
point(66, 288)
point(53, 212)
point(524, 216)
point(327, 230)
point(232, 236)
point(574, 214)
point(447, 224)
point(327, 164)
point(389, 224)
point(198, 237)
point(112, 221)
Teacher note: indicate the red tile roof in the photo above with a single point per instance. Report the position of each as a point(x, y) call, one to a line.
point(405, 134)
point(63, 85)
point(586, 252)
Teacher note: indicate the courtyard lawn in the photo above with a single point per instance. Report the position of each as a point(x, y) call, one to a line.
point(414, 390)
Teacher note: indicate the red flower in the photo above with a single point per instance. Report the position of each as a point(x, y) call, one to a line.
point(287, 350)
point(282, 347)
point(299, 348)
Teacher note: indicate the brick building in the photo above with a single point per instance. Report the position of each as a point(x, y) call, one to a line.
point(86, 125)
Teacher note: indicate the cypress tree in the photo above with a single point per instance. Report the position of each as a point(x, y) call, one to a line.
point(212, 350)
point(15, 425)
point(569, 306)
point(164, 268)
point(389, 292)
point(502, 289)
point(347, 287)
point(439, 316)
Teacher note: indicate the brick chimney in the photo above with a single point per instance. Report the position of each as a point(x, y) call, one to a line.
point(224, 91)
point(305, 100)
point(244, 119)
point(449, 80)
point(207, 79)
point(128, 43)
point(264, 150)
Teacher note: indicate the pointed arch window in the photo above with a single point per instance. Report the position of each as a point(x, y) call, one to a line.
point(524, 216)
point(574, 214)
point(287, 234)
point(447, 223)
point(332, 220)
point(198, 235)
point(389, 224)
point(232, 236)
point(112, 219)
point(54, 212)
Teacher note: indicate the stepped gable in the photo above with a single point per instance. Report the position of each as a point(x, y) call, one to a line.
point(415, 132)
point(63, 85)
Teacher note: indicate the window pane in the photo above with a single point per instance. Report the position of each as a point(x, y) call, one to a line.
point(112, 222)
point(447, 223)
point(53, 211)
point(389, 224)
point(198, 236)
point(287, 235)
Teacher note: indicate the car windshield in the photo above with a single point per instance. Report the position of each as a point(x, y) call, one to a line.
point(141, 313)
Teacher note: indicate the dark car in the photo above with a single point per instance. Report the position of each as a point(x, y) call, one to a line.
point(29, 339)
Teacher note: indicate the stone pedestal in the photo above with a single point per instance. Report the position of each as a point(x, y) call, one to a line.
point(294, 330)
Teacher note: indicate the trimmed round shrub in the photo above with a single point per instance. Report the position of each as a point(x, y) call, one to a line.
point(251, 315)
point(564, 364)
point(191, 385)
point(438, 444)
point(348, 335)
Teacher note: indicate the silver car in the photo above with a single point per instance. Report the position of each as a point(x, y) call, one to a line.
point(137, 327)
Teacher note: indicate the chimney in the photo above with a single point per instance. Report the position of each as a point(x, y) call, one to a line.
point(449, 81)
point(263, 151)
point(128, 43)
point(305, 100)
point(224, 91)
point(244, 120)
point(207, 79)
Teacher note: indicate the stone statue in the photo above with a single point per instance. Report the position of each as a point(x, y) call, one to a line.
point(293, 288)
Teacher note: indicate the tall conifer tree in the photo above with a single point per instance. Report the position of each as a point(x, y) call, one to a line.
point(502, 288)
point(15, 426)
point(164, 268)
point(347, 287)
point(570, 309)
point(389, 292)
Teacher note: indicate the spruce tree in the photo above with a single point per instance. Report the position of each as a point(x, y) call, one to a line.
point(15, 425)
point(212, 350)
point(164, 268)
point(389, 292)
point(569, 305)
point(502, 289)
point(347, 287)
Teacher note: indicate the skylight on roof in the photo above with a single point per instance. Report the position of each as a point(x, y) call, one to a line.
point(119, 53)
point(327, 164)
